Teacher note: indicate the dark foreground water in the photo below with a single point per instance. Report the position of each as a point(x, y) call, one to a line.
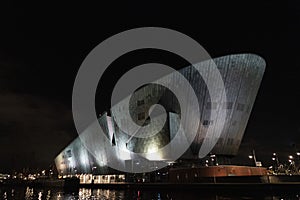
point(28, 193)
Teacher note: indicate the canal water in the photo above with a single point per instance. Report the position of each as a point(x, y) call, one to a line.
point(29, 193)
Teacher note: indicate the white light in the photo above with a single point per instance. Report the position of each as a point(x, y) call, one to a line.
point(153, 153)
point(273, 158)
point(154, 156)
point(152, 149)
point(124, 154)
point(298, 153)
point(291, 157)
point(274, 154)
point(250, 156)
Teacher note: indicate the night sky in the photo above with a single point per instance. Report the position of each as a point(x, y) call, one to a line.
point(42, 46)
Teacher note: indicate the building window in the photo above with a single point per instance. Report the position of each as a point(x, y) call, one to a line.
point(113, 141)
point(220, 142)
point(230, 141)
point(69, 153)
point(240, 107)
point(207, 122)
point(211, 105)
point(228, 105)
point(234, 123)
point(141, 116)
point(248, 109)
point(140, 102)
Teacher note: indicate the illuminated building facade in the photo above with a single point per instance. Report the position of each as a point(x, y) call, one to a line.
point(242, 75)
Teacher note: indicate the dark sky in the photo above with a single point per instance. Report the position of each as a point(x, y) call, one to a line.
point(42, 46)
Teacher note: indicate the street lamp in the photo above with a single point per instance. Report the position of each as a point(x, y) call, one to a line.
point(252, 156)
point(276, 161)
point(213, 158)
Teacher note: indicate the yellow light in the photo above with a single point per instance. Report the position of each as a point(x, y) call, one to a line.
point(153, 153)
point(152, 149)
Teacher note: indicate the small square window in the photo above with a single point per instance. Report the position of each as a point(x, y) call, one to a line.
point(240, 107)
point(211, 105)
point(220, 141)
point(69, 153)
point(230, 141)
point(228, 105)
point(248, 109)
point(234, 123)
point(140, 102)
point(207, 122)
point(141, 116)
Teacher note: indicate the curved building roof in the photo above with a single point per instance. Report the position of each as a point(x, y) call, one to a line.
point(241, 74)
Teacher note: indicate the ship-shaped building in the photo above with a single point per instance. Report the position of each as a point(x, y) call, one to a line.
point(241, 75)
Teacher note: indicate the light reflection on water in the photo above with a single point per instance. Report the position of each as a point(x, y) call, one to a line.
point(106, 194)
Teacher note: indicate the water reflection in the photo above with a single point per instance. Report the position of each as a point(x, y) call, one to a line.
point(105, 194)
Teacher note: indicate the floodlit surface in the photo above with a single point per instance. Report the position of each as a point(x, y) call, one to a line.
point(241, 74)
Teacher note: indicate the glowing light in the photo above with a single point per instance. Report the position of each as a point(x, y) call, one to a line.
point(154, 156)
point(152, 148)
point(153, 153)
point(124, 154)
